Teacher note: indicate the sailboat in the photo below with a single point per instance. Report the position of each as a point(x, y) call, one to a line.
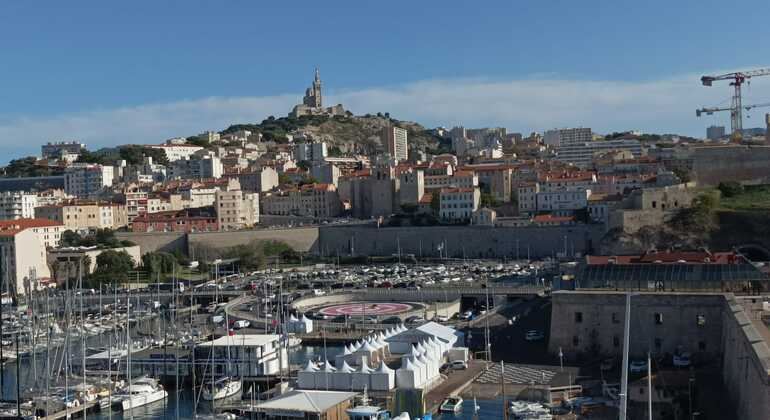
point(140, 392)
point(221, 388)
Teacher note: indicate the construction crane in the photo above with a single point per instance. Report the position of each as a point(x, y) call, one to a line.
point(736, 108)
point(710, 111)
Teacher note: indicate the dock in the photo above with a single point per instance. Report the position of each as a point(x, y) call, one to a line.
point(71, 412)
point(454, 384)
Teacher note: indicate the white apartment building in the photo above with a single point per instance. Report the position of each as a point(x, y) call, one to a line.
point(396, 139)
point(236, 209)
point(85, 179)
point(60, 149)
point(458, 204)
point(17, 205)
point(206, 167)
point(23, 259)
point(199, 197)
point(582, 154)
point(176, 152)
point(564, 136)
point(313, 152)
point(559, 193)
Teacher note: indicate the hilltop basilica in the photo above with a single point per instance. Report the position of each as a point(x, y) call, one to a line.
point(312, 103)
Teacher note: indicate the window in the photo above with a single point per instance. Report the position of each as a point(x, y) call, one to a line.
point(578, 317)
point(575, 341)
point(615, 318)
point(702, 345)
point(659, 318)
point(700, 320)
point(616, 341)
point(658, 344)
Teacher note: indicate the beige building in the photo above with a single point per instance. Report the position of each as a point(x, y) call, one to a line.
point(314, 200)
point(23, 245)
point(84, 216)
point(236, 209)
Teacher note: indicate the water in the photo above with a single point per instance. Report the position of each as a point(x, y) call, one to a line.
point(488, 409)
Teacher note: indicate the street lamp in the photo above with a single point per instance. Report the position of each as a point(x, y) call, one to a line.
point(561, 360)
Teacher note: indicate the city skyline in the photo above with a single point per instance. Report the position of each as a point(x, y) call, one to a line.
point(96, 75)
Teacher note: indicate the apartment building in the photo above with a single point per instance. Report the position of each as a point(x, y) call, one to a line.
point(235, 208)
point(312, 200)
point(61, 150)
point(313, 152)
point(175, 151)
point(23, 259)
point(80, 216)
point(458, 204)
point(566, 136)
point(581, 155)
point(396, 139)
point(17, 205)
point(199, 219)
point(85, 179)
point(206, 167)
point(459, 179)
point(560, 193)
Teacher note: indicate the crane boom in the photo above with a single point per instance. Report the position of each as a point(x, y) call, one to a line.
point(709, 111)
point(736, 108)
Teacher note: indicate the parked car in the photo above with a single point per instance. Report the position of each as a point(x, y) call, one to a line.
point(682, 359)
point(534, 335)
point(637, 366)
point(458, 365)
point(241, 323)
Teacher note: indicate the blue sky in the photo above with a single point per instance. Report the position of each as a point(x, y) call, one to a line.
point(142, 71)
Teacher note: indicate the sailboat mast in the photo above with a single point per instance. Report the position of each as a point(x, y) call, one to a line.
point(82, 333)
point(649, 386)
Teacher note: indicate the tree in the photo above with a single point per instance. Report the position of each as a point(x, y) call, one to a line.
point(304, 165)
point(70, 238)
point(683, 174)
point(435, 203)
point(134, 154)
point(158, 263)
point(198, 141)
point(488, 200)
point(730, 189)
point(251, 256)
point(113, 266)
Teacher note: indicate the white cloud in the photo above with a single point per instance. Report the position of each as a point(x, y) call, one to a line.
point(520, 105)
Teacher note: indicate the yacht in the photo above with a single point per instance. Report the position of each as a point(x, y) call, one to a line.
point(221, 388)
point(452, 404)
point(364, 410)
point(529, 411)
point(141, 392)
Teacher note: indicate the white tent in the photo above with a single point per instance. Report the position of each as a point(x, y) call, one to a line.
point(306, 376)
point(307, 323)
point(423, 368)
point(342, 378)
point(362, 379)
point(383, 379)
point(323, 377)
point(430, 368)
point(407, 376)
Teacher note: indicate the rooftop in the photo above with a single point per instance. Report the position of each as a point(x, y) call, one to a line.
point(306, 401)
point(246, 340)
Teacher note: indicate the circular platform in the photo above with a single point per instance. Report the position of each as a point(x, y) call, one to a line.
point(367, 308)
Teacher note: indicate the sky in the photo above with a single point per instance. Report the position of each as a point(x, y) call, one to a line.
point(109, 73)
